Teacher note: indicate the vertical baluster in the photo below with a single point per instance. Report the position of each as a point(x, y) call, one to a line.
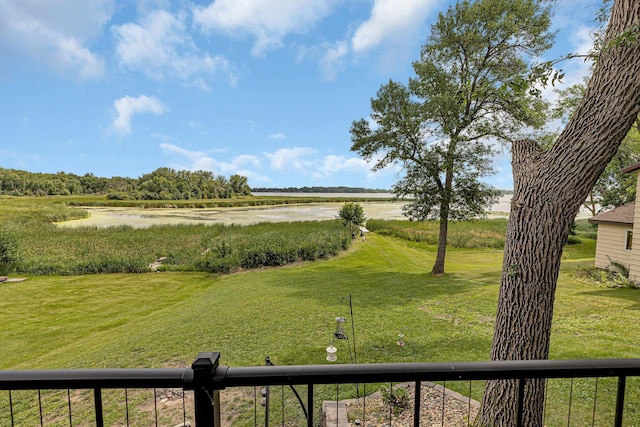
point(40, 408)
point(126, 405)
point(11, 408)
point(417, 400)
point(97, 399)
point(69, 405)
point(364, 404)
point(337, 412)
point(282, 394)
point(544, 402)
point(310, 408)
point(570, 401)
point(444, 388)
point(184, 407)
point(469, 408)
point(155, 406)
point(595, 400)
point(622, 382)
point(521, 383)
point(255, 406)
point(390, 403)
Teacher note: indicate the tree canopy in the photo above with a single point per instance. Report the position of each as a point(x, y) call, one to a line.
point(467, 94)
point(613, 188)
point(351, 214)
point(161, 184)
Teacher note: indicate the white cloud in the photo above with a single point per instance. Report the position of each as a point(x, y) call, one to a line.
point(332, 59)
point(161, 47)
point(269, 22)
point(391, 20)
point(200, 160)
point(55, 34)
point(278, 136)
point(333, 164)
point(292, 158)
point(126, 107)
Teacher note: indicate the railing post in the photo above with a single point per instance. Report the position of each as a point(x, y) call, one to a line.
point(207, 405)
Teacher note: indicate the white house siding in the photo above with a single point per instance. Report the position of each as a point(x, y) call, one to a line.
point(611, 239)
point(634, 269)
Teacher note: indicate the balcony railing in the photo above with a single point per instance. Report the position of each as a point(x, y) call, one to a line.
point(199, 388)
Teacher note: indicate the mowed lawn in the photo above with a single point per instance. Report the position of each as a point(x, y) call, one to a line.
point(158, 319)
point(165, 319)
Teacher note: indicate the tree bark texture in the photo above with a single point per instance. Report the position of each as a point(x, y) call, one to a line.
point(549, 187)
point(438, 266)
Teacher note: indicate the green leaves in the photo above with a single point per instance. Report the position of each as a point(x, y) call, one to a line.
point(471, 88)
point(351, 214)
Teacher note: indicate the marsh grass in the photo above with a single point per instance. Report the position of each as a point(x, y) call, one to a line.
point(483, 233)
point(41, 248)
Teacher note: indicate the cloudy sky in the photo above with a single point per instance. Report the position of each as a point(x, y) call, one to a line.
point(263, 88)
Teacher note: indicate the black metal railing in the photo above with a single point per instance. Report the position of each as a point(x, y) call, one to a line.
point(205, 378)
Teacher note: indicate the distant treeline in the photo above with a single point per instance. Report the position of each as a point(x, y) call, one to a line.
point(319, 190)
point(161, 184)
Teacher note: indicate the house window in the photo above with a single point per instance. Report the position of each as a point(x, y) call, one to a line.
point(628, 240)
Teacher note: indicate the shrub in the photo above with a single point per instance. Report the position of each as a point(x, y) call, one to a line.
point(573, 240)
point(8, 251)
point(616, 275)
point(397, 398)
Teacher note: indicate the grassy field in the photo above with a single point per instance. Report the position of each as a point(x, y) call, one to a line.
point(165, 319)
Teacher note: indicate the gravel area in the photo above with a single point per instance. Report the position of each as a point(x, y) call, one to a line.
point(455, 410)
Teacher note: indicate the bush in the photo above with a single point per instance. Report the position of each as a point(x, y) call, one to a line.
point(573, 240)
point(397, 398)
point(616, 275)
point(8, 251)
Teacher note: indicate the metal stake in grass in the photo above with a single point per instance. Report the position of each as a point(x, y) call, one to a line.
point(340, 334)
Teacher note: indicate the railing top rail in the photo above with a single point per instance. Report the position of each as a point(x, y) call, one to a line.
point(224, 376)
point(96, 378)
point(400, 372)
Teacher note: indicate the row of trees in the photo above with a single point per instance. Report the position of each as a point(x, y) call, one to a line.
point(161, 184)
point(476, 84)
point(317, 189)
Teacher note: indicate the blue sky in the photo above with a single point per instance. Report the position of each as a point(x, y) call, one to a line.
point(263, 88)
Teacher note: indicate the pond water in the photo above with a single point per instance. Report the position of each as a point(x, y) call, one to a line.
point(140, 218)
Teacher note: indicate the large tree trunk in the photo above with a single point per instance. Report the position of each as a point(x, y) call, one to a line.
point(549, 188)
point(438, 266)
point(445, 201)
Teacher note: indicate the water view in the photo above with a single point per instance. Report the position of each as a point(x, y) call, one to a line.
point(140, 218)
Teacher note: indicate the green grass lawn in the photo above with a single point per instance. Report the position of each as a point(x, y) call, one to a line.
point(165, 319)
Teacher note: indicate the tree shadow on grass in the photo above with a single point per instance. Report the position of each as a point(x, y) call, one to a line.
point(375, 288)
point(630, 295)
